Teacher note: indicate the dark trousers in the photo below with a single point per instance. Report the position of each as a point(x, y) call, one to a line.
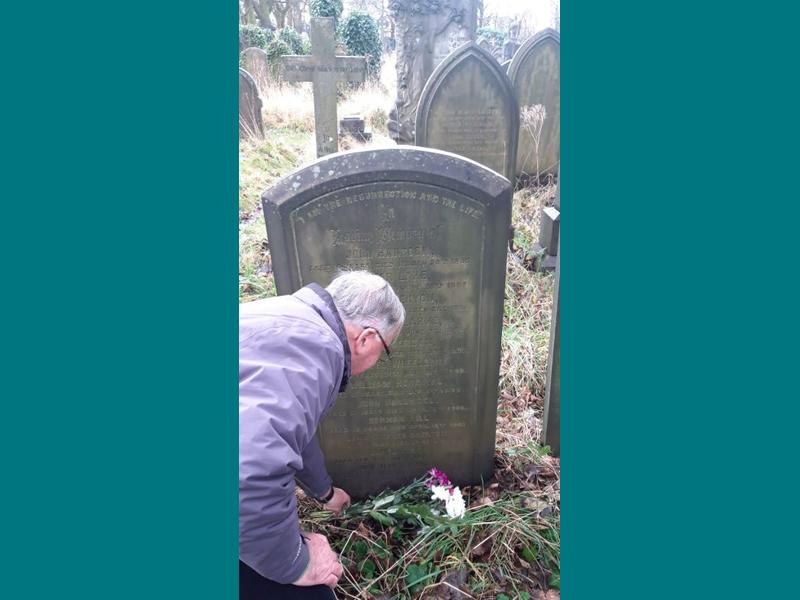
point(253, 586)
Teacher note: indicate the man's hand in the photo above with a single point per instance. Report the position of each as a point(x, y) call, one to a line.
point(340, 500)
point(323, 563)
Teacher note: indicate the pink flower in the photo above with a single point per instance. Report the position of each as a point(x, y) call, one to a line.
point(437, 477)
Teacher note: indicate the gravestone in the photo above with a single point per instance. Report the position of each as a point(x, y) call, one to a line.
point(468, 108)
point(549, 230)
point(250, 123)
point(325, 70)
point(535, 74)
point(355, 127)
point(256, 63)
point(435, 226)
point(427, 31)
point(510, 48)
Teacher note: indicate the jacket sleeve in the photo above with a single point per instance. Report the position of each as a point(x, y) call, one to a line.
point(282, 395)
point(314, 478)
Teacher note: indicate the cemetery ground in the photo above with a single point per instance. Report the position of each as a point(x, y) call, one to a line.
point(392, 546)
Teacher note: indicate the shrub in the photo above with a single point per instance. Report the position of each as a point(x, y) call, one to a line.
point(253, 36)
point(495, 36)
point(359, 32)
point(327, 8)
point(292, 39)
point(275, 49)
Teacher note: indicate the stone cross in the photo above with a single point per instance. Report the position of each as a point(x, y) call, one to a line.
point(325, 70)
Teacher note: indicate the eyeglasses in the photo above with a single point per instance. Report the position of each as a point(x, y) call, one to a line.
point(380, 337)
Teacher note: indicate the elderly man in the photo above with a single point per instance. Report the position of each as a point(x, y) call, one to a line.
point(296, 353)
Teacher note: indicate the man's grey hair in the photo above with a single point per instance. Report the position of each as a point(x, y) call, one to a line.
point(364, 299)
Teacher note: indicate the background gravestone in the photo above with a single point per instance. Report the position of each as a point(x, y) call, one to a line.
point(535, 73)
point(256, 63)
point(250, 123)
point(427, 31)
point(434, 225)
point(468, 107)
point(510, 48)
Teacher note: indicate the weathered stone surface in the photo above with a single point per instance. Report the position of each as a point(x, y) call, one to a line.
point(427, 31)
point(326, 70)
point(548, 230)
point(250, 123)
point(256, 63)
point(355, 127)
point(551, 430)
point(353, 124)
point(510, 48)
point(468, 108)
point(535, 74)
point(434, 225)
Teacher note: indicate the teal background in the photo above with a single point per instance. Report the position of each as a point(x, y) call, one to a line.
point(679, 312)
point(119, 251)
point(118, 246)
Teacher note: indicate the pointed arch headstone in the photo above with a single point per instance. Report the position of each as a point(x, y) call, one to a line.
point(535, 74)
point(468, 107)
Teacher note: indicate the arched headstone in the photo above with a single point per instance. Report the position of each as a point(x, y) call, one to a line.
point(250, 124)
point(468, 107)
point(435, 226)
point(535, 74)
point(255, 62)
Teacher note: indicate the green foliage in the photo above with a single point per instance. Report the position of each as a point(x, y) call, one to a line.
point(359, 32)
point(495, 36)
point(416, 576)
point(275, 49)
point(327, 8)
point(292, 39)
point(253, 36)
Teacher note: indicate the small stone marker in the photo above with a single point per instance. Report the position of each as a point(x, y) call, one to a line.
point(250, 123)
point(549, 229)
point(325, 70)
point(535, 75)
point(435, 226)
point(468, 108)
point(355, 127)
point(548, 238)
point(510, 48)
point(256, 63)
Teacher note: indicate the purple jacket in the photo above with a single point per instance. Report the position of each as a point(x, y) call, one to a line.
point(293, 361)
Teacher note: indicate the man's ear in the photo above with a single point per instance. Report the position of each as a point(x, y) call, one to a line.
point(360, 340)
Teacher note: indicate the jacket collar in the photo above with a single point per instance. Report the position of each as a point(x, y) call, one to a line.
point(321, 301)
